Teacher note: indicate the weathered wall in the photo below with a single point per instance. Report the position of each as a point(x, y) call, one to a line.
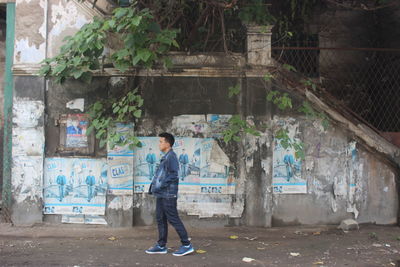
point(27, 150)
point(341, 178)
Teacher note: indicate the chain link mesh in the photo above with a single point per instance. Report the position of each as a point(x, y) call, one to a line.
point(367, 81)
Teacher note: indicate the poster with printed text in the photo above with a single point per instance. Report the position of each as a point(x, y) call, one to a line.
point(75, 186)
point(120, 163)
point(76, 131)
point(203, 166)
point(287, 177)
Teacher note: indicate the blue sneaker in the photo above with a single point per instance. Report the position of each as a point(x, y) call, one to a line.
point(157, 250)
point(184, 250)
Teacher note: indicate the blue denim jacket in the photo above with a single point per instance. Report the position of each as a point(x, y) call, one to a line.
point(165, 181)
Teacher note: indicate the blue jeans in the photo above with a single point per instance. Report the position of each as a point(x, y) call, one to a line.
point(167, 212)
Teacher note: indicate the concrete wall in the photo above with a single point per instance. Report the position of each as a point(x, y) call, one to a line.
point(344, 180)
point(341, 178)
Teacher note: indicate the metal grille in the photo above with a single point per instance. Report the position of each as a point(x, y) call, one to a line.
point(365, 80)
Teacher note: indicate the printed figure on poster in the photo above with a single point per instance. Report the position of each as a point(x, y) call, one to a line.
point(76, 130)
point(120, 162)
point(203, 166)
point(75, 186)
point(286, 167)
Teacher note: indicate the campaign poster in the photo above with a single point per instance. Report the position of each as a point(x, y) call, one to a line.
point(147, 159)
point(76, 130)
point(203, 166)
point(75, 186)
point(120, 164)
point(286, 167)
point(216, 174)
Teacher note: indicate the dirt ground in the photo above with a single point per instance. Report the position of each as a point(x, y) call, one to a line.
point(76, 245)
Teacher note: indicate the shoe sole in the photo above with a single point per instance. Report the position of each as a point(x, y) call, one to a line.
point(186, 253)
point(161, 252)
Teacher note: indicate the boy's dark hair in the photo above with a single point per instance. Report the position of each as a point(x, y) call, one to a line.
point(168, 137)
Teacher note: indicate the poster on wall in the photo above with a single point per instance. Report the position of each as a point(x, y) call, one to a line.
point(76, 130)
point(211, 125)
point(286, 167)
point(201, 169)
point(216, 176)
point(75, 186)
point(120, 164)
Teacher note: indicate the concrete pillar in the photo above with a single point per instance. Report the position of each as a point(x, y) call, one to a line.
point(259, 45)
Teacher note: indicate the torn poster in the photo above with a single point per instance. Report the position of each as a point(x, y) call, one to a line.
point(76, 130)
point(286, 167)
point(211, 125)
point(75, 186)
point(120, 163)
point(203, 166)
point(78, 103)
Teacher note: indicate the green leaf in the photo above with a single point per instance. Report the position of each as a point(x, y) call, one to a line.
point(102, 142)
point(234, 90)
point(89, 130)
point(120, 12)
point(289, 67)
point(138, 113)
point(136, 20)
point(100, 133)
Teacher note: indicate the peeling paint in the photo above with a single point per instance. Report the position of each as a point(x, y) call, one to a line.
point(121, 203)
point(28, 53)
point(27, 176)
point(26, 113)
point(78, 103)
point(30, 34)
point(65, 19)
point(28, 142)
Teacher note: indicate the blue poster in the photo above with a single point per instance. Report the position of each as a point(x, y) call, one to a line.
point(75, 186)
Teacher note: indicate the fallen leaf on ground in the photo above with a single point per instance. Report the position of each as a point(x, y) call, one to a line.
point(233, 237)
point(318, 263)
point(112, 238)
point(259, 248)
point(316, 233)
point(294, 254)
point(245, 259)
point(200, 251)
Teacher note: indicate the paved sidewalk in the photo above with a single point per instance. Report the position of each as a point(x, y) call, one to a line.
point(75, 245)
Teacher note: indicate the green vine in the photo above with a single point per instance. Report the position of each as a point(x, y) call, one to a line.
point(106, 113)
point(141, 42)
point(237, 126)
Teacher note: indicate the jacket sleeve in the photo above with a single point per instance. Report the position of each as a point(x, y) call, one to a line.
point(172, 171)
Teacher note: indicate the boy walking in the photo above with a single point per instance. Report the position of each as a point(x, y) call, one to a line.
point(164, 187)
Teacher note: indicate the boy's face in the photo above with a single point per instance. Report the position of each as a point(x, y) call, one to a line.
point(163, 145)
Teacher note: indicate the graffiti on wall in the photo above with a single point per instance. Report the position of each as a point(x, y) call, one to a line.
point(287, 177)
point(75, 186)
point(120, 163)
point(203, 166)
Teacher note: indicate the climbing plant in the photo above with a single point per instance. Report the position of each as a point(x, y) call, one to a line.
point(106, 113)
point(142, 34)
point(139, 41)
